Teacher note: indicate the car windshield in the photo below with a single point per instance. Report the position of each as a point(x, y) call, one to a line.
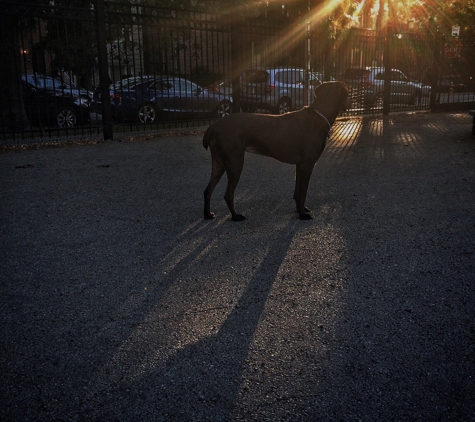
point(161, 85)
point(129, 83)
point(182, 85)
point(45, 82)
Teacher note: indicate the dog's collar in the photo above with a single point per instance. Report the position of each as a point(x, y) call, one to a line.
point(324, 118)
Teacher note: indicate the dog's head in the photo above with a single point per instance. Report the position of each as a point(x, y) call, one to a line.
point(333, 91)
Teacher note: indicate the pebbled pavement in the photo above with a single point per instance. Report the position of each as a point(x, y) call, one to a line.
point(120, 303)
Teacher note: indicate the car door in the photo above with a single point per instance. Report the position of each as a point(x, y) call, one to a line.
point(194, 97)
point(255, 88)
point(39, 105)
point(162, 94)
point(400, 89)
point(185, 96)
point(287, 82)
point(298, 92)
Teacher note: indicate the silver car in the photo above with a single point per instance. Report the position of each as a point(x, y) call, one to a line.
point(366, 85)
point(279, 89)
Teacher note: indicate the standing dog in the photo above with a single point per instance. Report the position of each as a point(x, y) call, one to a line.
point(295, 138)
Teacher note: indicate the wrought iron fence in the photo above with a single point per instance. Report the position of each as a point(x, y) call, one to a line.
point(94, 72)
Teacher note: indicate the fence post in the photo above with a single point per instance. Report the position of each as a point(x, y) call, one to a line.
point(327, 60)
point(437, 46)
point(103, 70)
point(387, 70)
point(236, 60)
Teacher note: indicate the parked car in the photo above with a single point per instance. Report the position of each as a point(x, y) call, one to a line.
point(47, 106)
point(452, 84)
point(143, 98)
point(278, 90)
point(49, 83)
point(225, 87)
point(117, 87)
point(366, 85)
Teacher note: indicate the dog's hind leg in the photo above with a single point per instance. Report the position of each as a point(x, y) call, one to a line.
point(217, 171)
point(302, 179)
point(233, 172)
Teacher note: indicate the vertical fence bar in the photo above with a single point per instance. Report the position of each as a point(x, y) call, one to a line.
point(387, 71)
point(103, 70)
point(327, 57)
point(236, 57)
point(437, 46)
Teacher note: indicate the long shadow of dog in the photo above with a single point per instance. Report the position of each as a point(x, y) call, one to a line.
point(202, 380)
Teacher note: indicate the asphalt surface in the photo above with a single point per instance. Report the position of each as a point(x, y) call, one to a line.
point(120, 303)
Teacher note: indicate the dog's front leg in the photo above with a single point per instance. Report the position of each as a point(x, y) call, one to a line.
point(303, 172)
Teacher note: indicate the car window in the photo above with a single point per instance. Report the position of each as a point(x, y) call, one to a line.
point(297, 77)
point(43, 82)
point(281, 77)
point(289, 76)
point(161, 85)
point(130, 83)
point(255, 77)
point(183, 85)
point(397, 76)
point(140, 86)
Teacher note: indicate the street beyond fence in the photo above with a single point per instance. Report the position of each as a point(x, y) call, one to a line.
point(119, 302)
point(141, 67)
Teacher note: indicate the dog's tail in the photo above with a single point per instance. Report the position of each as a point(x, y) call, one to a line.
point(207, 137)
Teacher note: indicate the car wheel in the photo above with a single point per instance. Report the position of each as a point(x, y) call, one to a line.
point(283, 106)
point(225, 108)
point(147, 113)
point(66, 118)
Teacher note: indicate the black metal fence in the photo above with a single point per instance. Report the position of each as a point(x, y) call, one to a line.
point(94, 72)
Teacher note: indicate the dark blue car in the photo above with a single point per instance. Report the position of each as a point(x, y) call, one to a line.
point(144, 99)
point(50, 104)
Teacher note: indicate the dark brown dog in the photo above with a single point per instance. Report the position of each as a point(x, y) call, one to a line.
point(295, 138)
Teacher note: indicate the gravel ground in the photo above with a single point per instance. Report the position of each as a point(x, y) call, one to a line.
point(120, 303)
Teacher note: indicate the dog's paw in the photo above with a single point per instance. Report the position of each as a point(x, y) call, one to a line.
point(305, 216)
point(209, 216)
point(307, 210)
point(239, 217)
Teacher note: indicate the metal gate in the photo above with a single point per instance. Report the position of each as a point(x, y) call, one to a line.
point(94, 72)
